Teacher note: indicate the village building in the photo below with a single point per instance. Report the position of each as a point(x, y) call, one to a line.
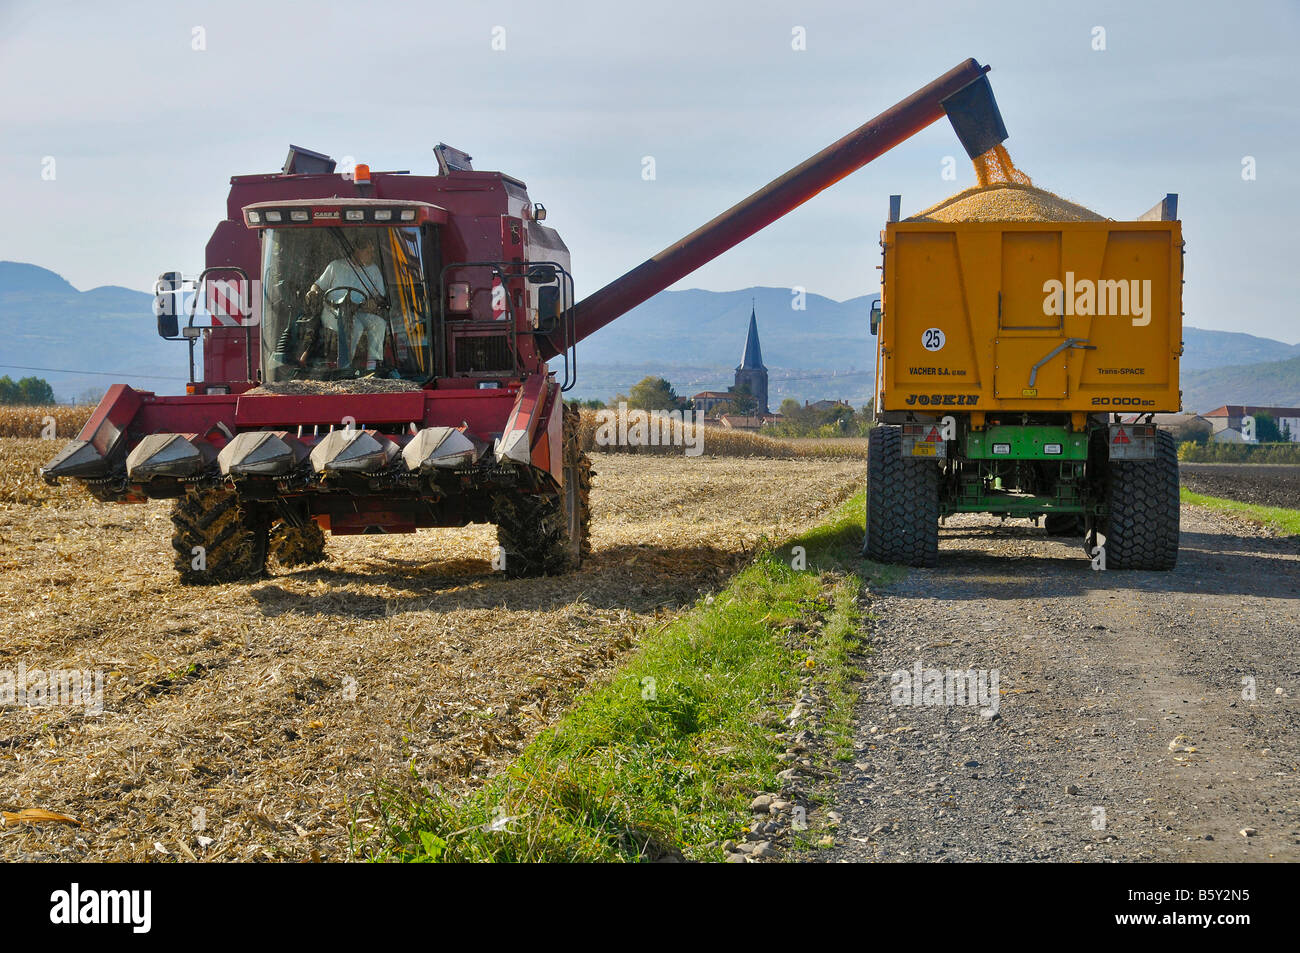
point(1225, 421)
point(748, 422)
point(708, 401)
point(1184, 426)
point(826, 404)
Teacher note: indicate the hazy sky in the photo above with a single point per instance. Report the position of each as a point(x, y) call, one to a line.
point(144, 130)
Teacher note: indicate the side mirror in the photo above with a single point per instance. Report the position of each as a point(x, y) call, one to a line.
point(164, 303)
point(542, 274)
point(548, 308)
point(875, 316)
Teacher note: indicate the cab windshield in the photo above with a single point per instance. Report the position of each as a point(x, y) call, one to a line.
point(342, 303)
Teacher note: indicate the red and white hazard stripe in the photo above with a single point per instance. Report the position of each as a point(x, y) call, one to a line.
point(498, 299)
point(226, 301)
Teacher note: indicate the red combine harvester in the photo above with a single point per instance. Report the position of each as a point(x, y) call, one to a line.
point(389, 352)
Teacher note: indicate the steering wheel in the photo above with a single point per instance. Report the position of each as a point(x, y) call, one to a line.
point(345, 299)
point(345, 294)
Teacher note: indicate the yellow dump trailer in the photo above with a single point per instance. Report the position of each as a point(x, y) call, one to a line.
point(1029, 316)
point(1016, 365)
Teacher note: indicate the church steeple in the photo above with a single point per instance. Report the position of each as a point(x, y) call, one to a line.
point(751, 374)
point(753, 357)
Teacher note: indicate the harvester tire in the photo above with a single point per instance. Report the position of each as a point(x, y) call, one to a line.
point(297, 545)
point(216, 539)
point(546, 534)
point(1142, 528)
point(1063, 524)
point(577, 481)
point(902, 503)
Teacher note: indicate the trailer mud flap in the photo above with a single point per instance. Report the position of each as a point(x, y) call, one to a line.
point(1132, 441)
point(924, 440)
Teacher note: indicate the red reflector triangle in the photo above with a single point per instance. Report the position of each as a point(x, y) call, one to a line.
point(1121, 436)
point(933, 436)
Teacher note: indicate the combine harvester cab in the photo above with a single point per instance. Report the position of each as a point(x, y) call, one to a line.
point(379, 355)
point(1018, 368)
point(372, 364)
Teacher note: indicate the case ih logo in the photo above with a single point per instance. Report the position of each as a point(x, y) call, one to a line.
point(1129, 299)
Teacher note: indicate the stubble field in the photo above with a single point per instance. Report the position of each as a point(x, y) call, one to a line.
point(252, 721)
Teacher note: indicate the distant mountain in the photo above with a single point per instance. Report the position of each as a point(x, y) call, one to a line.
point(1206, 349)
point(694, 338)
point(70, 335)
point(692, 334)
point(1270, 384)
point(708, 327)
point(603, 381)
point(17, 278)
point(813, 346)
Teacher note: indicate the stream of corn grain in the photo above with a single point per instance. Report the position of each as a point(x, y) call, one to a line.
point(1004, 194)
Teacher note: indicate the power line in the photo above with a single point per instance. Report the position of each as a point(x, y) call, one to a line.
point(68, 370)
point(822, 377)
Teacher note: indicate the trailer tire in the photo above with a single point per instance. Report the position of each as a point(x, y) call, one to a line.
point(292, 546)
point(231, 539)
point(902, 503)
point(1142, 528)
point(546, 534)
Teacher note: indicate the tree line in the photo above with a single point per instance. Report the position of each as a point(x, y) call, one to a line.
point(797, 420)
point(27, 392)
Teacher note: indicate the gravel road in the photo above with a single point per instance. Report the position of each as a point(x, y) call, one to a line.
point(1121, 733)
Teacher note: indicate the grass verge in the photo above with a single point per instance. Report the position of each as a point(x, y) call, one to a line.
point(661, 761)
point(1280, 518)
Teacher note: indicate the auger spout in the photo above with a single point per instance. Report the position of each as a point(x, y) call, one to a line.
point(963, 94)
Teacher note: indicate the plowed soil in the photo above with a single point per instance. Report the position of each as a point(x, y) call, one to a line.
point(1267, 484)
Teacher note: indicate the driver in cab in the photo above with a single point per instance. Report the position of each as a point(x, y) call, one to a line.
point(347, 283)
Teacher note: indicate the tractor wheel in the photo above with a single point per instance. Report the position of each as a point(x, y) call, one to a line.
point(216, 539)
point(902, 503)
point(1142, 528)
point(297, 545)
point(1063, 524)
point(545, 534)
